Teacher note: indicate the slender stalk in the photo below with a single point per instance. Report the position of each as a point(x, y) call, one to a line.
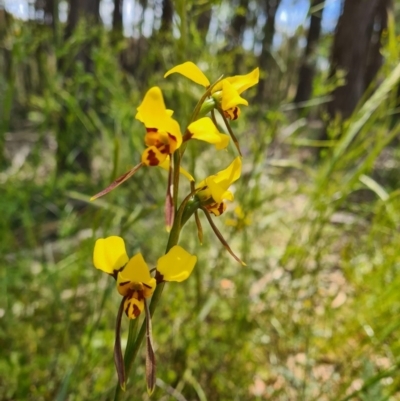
point(234, 139)
point(207, 93)
point(133, 328)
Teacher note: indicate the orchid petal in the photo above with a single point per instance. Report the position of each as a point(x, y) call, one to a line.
point(205, 130)
point(218, 184)
point(136, 271)
point(176, 265)
point(153, 114)
point(230, 96)
point(240, 82)
point(117, 182)
point(191, 71)
point(152, 156)
point(133, 306)
point(110, 254)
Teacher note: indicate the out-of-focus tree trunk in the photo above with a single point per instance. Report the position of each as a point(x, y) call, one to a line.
point(9, 76)
point(88, 9)
point(117, 23)
point(265, 59)
point(350, 53)
point(46, 12)
point(167, 16)
point(203, 22)
point(238, 24)
point(378, 25)
point(307, 67)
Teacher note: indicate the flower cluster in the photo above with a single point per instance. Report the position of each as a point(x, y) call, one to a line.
point(165, 145)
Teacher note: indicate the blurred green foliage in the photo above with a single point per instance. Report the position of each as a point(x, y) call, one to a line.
point(313, 316)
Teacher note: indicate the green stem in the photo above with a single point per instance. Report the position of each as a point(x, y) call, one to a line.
point(133, 328)
point(207, 93)
point(177, 167)
point(234, 139)
point(132, 348)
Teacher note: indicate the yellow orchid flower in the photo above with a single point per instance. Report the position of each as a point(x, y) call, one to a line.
point(227, 92)
point(215, 188)
point(163, 134)
point(134, 281)
point(133, 276)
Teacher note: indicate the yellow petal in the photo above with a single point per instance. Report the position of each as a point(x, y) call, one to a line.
point(205, 130)
point(110, 254)
point(204, 194)
point(223, 141)
point(230, 96)
point(152, 108)
point(165, 166)
point(218, 184)
point(243, 82)
point(153, 114)
point(153, 157)
point(191, 71)
point(240, 82)
point(136, 271)
point(177, 264)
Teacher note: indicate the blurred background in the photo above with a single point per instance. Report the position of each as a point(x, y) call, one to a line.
point(315, 314)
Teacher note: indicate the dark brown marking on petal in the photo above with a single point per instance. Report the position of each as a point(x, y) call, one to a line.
point(125, 282)
point(173, 137)
point(235, 113)
point(152, 158)
point(164, 149)
point(151, 129)
point(135, 310)
point(159, 277)
point(221, 208)
point(148, 286)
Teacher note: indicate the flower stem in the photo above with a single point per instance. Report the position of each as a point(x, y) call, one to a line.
point(134, 347)
point(133, 344)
